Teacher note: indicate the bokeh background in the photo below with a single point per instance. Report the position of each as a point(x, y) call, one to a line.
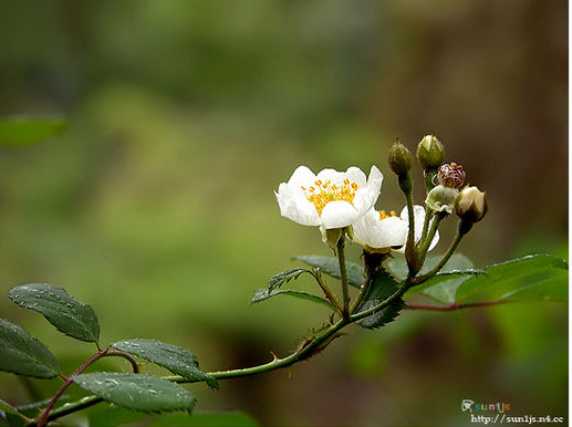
point(157, 207)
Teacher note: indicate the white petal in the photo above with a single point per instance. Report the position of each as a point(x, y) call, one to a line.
point(363, 227)
point(391, 232)
point(366, 197)
point(302, 176)
point(336, 177)
point(419, 218)
point(339, 214)
point(296, 208)
point(356, 175)
point(434, 241)
point(376, 233)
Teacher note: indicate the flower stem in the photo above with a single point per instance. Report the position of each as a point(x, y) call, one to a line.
point(439, 216)
point(317, 344)
point(328, 293)
point(428, 215)
point(452, 248)
point(68, 381)
point(410, 252)
point(343, 275)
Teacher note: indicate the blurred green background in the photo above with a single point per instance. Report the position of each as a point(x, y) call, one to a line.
point(157, 206)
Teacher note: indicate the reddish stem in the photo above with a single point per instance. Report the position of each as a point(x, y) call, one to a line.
point(68, 381)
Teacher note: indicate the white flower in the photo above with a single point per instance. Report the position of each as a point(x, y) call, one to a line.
point(378, 230)
point(331, 199)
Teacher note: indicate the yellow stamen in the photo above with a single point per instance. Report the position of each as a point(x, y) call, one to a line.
point(327, 192)
point(383, 215)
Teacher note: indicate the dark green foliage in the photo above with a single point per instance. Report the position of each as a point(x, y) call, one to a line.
point(398, 267)
point(23, 354)
point(532, 278)
point(285, 276)
point(175, 359)
point(330, 266)
point(72, 317)
point(138, 392)
point(264, 294)
point(382, 287)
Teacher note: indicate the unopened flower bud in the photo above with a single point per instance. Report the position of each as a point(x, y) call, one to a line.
point(442, 199)
point(430, 152)
point(400, 159)
point(452, 175)
point(472, 205)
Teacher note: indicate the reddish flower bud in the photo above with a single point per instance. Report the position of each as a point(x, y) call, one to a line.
point(452, 175)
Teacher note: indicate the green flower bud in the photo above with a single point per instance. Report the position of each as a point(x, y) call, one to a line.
point(472, 205)
point(442, 199)
point(400, 159)
point(430, 152)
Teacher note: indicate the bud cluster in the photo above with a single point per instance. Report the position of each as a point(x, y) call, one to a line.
point(447, 190)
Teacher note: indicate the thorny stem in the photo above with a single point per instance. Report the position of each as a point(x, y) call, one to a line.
point(318, 343)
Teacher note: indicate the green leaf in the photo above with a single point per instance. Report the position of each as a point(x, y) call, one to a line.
point(383, 287)
point(225, 419)
point(72, 317)
point(138, 392)
point(26, 131)
point(176, 359)
point(285, 276)
point(9, 409)
point(398, 267)
point(330, 266)
point(264, 294)
point(23, 354)
point(533, 278)
point(443, 287)
point(32, 409)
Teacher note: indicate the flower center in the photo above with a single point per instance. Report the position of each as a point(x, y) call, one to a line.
point(326, 192)
point(383, 215)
